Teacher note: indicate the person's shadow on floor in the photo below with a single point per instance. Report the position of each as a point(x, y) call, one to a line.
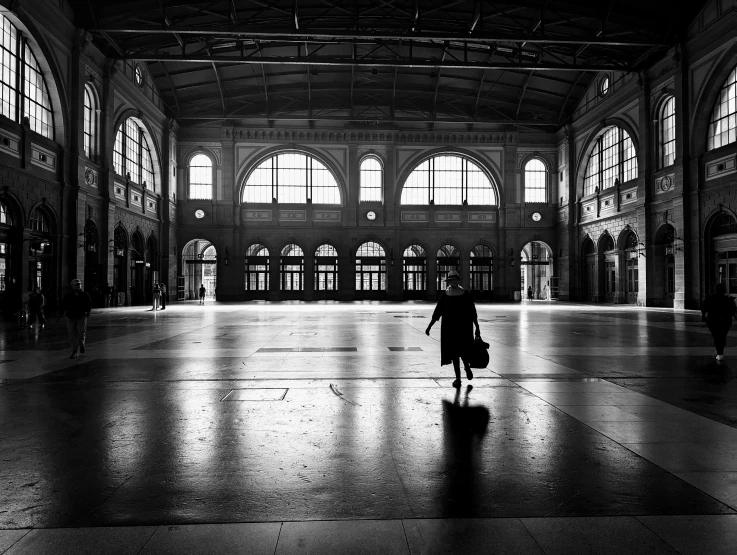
point(464, 428)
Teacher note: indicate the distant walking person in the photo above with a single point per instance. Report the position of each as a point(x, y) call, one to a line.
point(457, 310)
point(36, 305)
point(76, 306)
point(202, 293)
point(164, 296)
point(156, 296)
point(107, 292)
point(718, 310)
point(529, 292)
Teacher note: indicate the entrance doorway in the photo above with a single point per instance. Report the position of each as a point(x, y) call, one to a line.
point(257, 272)
point(326, 272)
point(371, 271)
point(536, 268)
point(448, 258)
point(482, 283)
point(292, 272)
point(414, 273)
point(723, 239)
point(632, 273)
point(588, 271)
point(608, 257)
point(137, 269)
point(199, 266)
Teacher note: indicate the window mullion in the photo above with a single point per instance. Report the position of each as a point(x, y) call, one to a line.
point(274, 185)
point(19, 76)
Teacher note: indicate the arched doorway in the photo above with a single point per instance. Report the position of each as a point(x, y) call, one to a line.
point(257, 272)
point(448, 258)
point(608, 258)
point(588, 271)
point(631, 256)
point(371, 271)
point(137, 269)
point(292, 272)
point(326, 272)
point(664, 284)
point(414, 272)
point(40, 254)
point(482, 283)
point(199, 267)
point(536, 269)
point(120, 246)
point(9, 280)
point(91, 263)
point(152, 267)
point(722, 241)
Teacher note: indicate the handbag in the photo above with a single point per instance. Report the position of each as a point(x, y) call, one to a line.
point(479, 355)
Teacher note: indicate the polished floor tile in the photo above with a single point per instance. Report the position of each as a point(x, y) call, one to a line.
point(695, 534)
point(356, 537)
point(214, 539)
point(84, 541)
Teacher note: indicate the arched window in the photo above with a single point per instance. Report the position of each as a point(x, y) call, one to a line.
point(613, 159)
point(482, 260)
point(723, 124)
point(448, 258)
point(257, 268)
point(370, 267)
point(448, 179)
point(89, 123)
point(5, 215)
point(668, 133)
point(37, 221)
point(291, 177)
point(607, 243)
point(131, 154)
point(292, 271)
point(326, 268)
point(372, 179)
point(414, 274)
point(631, 277)
point(536, 178)
point(32, 100)
point(200, 177)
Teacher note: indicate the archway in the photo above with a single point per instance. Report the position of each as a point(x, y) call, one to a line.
point(664, 284)
point(152, 267)
point(8, 269)
point(722, 244)
point(120, 246)
point(608, 268)
point(257, 271)
point(292, 272)
point(536, 270)
point(137, 269)
point(91, 262)
point(326, 272)
point(448, 258)
point(199, 267)
point(371, 271)
point(482, 283)
point(588, 271)
point(40, 254)
point(414, 272)
point(631, 254)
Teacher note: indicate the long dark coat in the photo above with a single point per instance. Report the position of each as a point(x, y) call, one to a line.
point(456, 315)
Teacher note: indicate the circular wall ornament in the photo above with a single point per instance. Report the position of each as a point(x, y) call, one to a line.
point(371, 215)
point(199, 214)
point(666, 184)
point(536, 216)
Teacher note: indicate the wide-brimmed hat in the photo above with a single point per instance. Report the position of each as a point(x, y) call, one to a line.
point(453, 276)
point(76, 282)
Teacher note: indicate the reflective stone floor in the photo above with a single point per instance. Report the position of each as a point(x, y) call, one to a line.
point(332, 428)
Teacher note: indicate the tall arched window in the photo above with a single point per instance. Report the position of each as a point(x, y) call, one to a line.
point(90, 123)
point(32, 100)
point(448, 179)
point(257, 268)
point(292, 270)
point(372, 179)
point(291, 177)
point(131, 154)
point(200, 177)
point(613, 159)
point(370, 267)
point(668, 133)
point(536, 178)
point(723, 124)
point(326, 268)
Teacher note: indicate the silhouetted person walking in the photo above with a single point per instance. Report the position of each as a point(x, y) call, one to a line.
point(718, 310)
point(457, 310)
point(156, 296)
point(164, 296)
point(202, 294)
point(76, 306)
point(36, 304)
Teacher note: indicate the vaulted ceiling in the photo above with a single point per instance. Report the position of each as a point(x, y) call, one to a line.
point(525, 63)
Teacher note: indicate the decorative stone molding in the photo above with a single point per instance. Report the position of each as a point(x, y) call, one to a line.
point(43, 157)
point(607, 203)
point(628, 196)
point(151, 205)
point(447, 217)
point(482, 217)
point(10, 143)
point(415, 216)
point(257, 215)
point(563, 215)
point(664, 183)
point(721, 167)
point(136, 198)
point(90, 177)
point(326, 216)
point(120, 191)
point(292, 215)
point(389, 136)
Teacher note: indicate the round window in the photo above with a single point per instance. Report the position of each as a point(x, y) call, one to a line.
point(139, 76)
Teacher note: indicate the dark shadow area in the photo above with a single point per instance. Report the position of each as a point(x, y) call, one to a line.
point(464, 428)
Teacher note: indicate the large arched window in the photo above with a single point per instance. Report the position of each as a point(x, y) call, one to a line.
point(372, 179)
point(131, 154)
point(200, 177)
point(613, 159)
point(668, 133)
point(90, 123)
point(291, 177)
point(31, 97)
point(536, 179)
point(723, 124)
point(448, 179)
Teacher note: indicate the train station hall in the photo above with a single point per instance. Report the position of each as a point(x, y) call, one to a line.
point(264, 293)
